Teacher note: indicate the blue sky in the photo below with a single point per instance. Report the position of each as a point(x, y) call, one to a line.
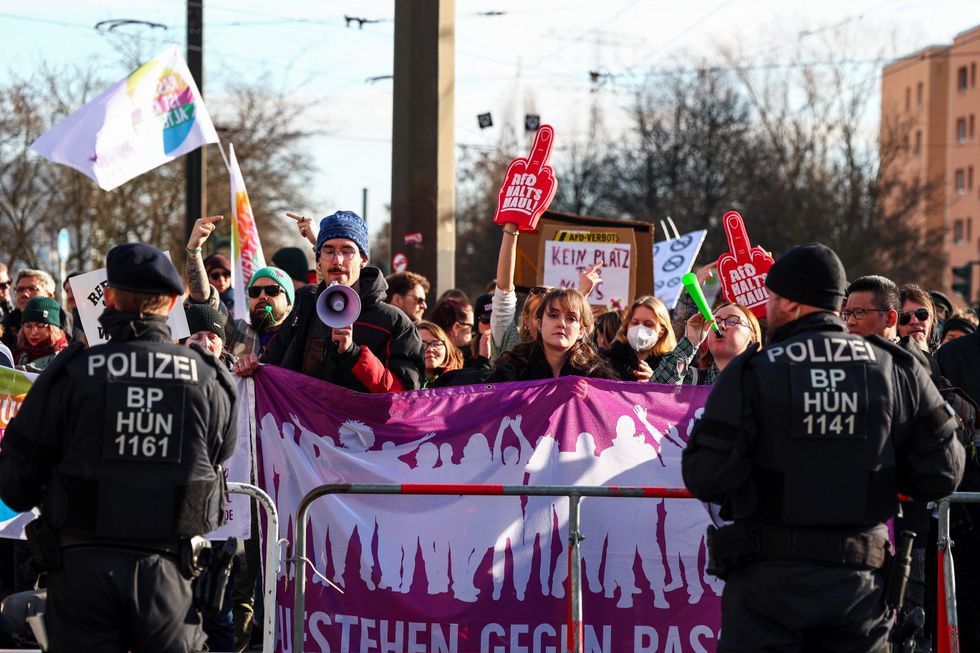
point(535, 56)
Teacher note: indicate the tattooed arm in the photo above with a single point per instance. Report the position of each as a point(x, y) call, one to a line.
point(197, 277)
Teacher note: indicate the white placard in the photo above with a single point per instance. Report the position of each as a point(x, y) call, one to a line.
point(89, 298)
point(564, 261)
point(672, 259)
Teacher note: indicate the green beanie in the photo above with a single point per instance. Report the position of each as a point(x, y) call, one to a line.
point(279, 277)
point(43, 310)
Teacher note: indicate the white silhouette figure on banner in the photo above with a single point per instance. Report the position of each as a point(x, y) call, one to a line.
point(539, 514)
point(508, 521)
point(580, 467)
point(428, 521)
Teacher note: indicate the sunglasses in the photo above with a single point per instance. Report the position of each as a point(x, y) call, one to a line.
point(539, 290)
point(4, 285)
point(256, 291)
point(219, 274)
point(921, 314)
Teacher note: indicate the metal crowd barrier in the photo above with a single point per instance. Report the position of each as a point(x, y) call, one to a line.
point(272, 560)
point(573, 492)
point(947, 635)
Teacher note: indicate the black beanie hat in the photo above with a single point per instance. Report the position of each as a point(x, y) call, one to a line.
point(958, 324)
point(201, 317)
point(293, 262)
point(810, 274)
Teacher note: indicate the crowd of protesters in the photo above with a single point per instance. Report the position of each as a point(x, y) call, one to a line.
point(405, 339)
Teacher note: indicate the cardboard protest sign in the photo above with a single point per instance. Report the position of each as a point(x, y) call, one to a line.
point(566, 252)
point(672, 259)
point(529, 185)
point(89, 290)
point(743, 269)
point(555, 225)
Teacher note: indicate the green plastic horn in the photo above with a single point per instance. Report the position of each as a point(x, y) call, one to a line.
point(690, 281)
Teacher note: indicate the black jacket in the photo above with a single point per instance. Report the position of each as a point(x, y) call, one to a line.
point(624, 361)
point(822, 428)
point(526, 362)
point(387, 352)
point(124, 439)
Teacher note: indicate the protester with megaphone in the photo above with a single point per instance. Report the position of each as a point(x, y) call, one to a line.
point(341, 330)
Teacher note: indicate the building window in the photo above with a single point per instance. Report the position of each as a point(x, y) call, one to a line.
point(958, 232)
point(969, 178)
point(960, 181)
point(971, 126)
point(961, 130)
point(918, 141)
point(961, 79)
point(908, 98)
point(919, 88)
point(973, 74)
point(969, 229)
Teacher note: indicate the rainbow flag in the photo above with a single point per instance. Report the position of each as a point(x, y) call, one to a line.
point(246, 250)
point(153, 116)
point(14, 385)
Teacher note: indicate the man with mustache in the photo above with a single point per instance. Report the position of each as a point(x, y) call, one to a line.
point(380, 352)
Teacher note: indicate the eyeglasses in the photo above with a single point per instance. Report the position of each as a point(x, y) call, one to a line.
point(4, 285)
point(468, 325)
point(859, 313)
point(921, 314)
point(346, 253)
point(219, 274)
point(433, 344)
point(271, 290)
point(416, 299)
point(732, 321)
point(21, 289)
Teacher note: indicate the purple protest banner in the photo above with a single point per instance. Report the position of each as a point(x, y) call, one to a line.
point(477, 573)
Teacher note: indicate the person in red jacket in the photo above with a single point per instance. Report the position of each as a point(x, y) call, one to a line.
point(380, 352)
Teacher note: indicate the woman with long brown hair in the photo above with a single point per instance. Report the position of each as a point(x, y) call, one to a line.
point(438, 351)
point(563, 344)
point(738, 329)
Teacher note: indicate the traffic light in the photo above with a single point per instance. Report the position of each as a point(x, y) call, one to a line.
point(963, 281)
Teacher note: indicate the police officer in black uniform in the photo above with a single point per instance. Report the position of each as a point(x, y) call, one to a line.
point(120, 445)
point(806, 444)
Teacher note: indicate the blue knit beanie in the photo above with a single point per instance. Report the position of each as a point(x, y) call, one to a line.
point(343, 224)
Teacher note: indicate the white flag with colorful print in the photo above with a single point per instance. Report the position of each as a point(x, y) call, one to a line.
point(153, 116)
point(246, 250)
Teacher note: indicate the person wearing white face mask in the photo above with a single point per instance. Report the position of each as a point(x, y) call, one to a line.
point(643, 338)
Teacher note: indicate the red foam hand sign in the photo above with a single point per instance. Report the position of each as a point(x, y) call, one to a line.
point(529, 186)
point(743, 269)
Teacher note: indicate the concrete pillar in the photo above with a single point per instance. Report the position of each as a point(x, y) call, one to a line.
point(423, 178)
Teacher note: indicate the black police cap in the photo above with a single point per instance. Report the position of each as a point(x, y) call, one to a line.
point(142, 268)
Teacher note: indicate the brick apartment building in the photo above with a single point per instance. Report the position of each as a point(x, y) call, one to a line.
point(930, 101)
